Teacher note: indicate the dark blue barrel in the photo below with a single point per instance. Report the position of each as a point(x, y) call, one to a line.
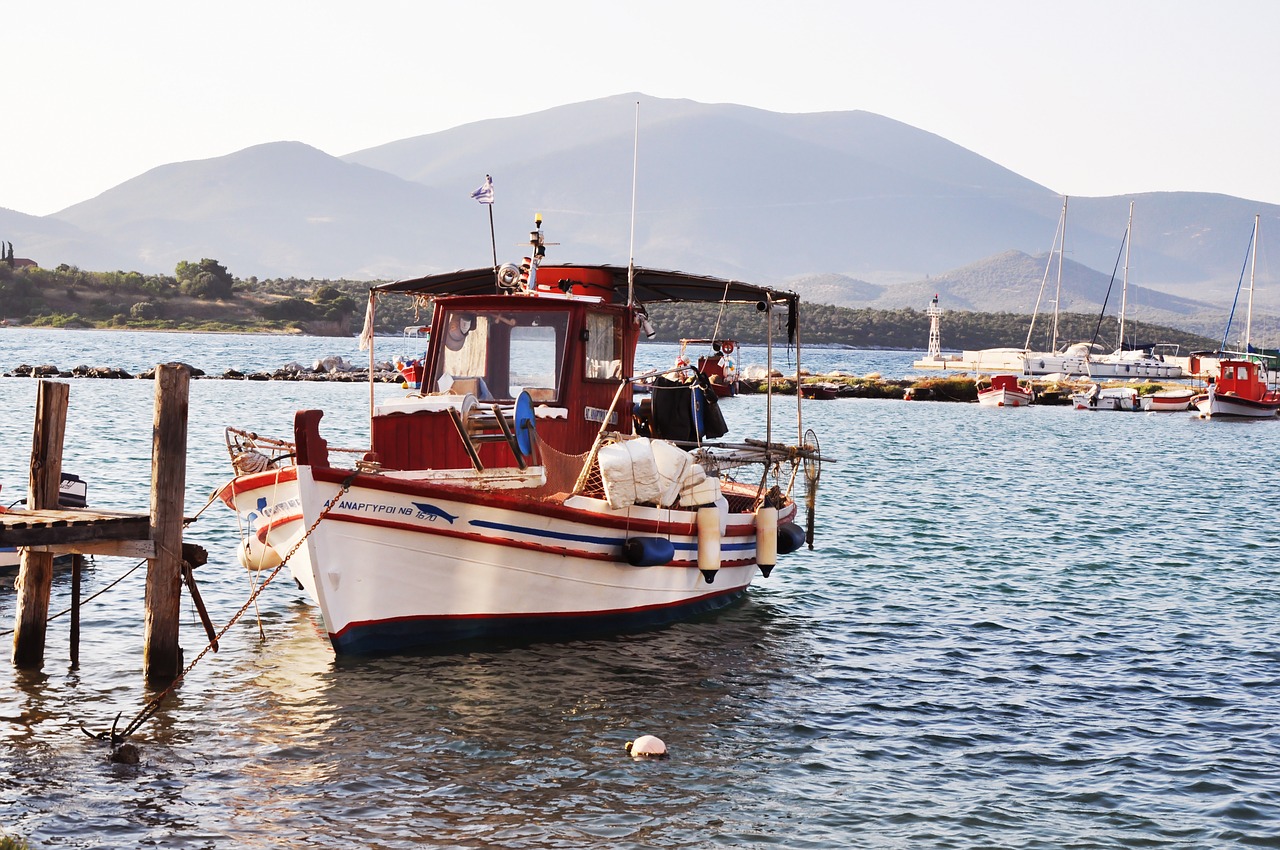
point(790, 537)
point(649, 551)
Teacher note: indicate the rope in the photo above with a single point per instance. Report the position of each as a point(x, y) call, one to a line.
point(724, 301)
point(149, 710)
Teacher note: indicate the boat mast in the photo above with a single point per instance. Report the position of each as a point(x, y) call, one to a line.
point(1124, 288)
point(631, 253)
point(1253, 266)
point(1057, 294)
point(1035, 311)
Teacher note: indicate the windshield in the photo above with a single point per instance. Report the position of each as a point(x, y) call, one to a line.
point(497, 354)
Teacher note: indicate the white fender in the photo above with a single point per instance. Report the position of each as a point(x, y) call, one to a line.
point(256, 556)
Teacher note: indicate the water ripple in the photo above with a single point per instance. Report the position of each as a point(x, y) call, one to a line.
point(1016, 630)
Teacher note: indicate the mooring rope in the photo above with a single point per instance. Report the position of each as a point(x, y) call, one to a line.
point(186, 522)
point(153, 705)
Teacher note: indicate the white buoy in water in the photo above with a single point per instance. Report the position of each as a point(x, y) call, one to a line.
point(709, 542)
point(766, 539)
point(256, 555)
point(647, 747)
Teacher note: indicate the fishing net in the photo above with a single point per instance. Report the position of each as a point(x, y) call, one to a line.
point(564, 469)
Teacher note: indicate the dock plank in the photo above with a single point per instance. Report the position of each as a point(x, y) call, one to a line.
point(50, 527)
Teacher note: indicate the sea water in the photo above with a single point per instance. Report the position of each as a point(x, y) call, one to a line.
point(1030, 627)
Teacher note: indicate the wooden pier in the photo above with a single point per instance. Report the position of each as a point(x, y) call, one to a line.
point(44, 529)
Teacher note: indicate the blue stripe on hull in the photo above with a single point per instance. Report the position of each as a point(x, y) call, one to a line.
point(398, 635)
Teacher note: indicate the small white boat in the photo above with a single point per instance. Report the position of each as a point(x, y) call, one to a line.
point(1168, 401)
point(1005, 391)
point(1110, 398)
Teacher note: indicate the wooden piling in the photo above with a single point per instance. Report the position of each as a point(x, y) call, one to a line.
point(35, 574)
point(162, 657)
point(77, 570)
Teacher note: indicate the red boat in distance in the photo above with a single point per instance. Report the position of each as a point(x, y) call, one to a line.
point(719, 366)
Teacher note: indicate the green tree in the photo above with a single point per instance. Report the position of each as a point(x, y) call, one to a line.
point(207, 279)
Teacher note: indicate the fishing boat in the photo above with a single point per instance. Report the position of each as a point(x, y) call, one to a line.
point(719, 366)
point(1241, 389)
point(519, 493)
point(1168, 401)
point(1005, 391)
point(1107, 398)
point(826, 390)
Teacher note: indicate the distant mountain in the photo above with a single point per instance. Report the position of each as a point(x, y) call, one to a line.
point(1018, 283)
point(838, 289)
point(280, 209)
point(49, 241)
point(850, 198)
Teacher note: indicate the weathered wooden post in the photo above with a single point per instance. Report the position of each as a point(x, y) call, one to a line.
point(35, 574)
point(162, 657)
point(77, 570)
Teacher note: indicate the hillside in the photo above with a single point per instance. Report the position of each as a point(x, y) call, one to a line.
point(722, 189)
point(204, 296)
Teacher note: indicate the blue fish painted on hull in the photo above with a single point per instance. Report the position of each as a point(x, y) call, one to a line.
point(431, 512)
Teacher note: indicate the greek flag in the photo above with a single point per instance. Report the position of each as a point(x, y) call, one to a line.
point(485, 193)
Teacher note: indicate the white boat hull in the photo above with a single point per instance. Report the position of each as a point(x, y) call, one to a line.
point(1075, 361)
point(1113, 398)
point(1217, 404)
point(1004, 398)
point(1168, 402)
point(395, 565)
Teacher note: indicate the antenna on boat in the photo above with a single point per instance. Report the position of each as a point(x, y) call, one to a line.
point(485, 196)
point(635, 167)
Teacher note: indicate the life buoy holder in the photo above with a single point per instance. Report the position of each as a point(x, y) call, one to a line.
point(726, 347)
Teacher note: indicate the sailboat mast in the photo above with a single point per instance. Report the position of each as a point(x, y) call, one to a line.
point(1048, 266)
point(1124, 287)
point(1057, 294)
point(1253, 267)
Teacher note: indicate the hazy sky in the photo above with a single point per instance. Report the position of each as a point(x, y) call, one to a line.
point(1087, 97)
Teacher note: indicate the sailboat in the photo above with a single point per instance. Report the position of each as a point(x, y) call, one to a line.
point(1240, 390)
point(1077, 358)
point(1132, 362)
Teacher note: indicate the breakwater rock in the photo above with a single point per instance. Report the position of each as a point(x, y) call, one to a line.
point(327, 369)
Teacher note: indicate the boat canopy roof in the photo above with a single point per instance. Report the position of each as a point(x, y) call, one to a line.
point(651, 285)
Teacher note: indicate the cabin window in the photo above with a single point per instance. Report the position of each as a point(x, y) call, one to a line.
point(536, 359)
point(496, 354)
point(603, 359)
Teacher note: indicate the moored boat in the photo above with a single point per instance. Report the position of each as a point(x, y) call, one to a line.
point(1005, 391)
point(519, 493)
point(820, 390)
point(1239, 391)
point(718, 365)
point(1168, 401)
point(1107, 398)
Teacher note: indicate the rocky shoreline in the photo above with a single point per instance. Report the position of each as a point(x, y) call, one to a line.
point(958, 388)
point(329, 369)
